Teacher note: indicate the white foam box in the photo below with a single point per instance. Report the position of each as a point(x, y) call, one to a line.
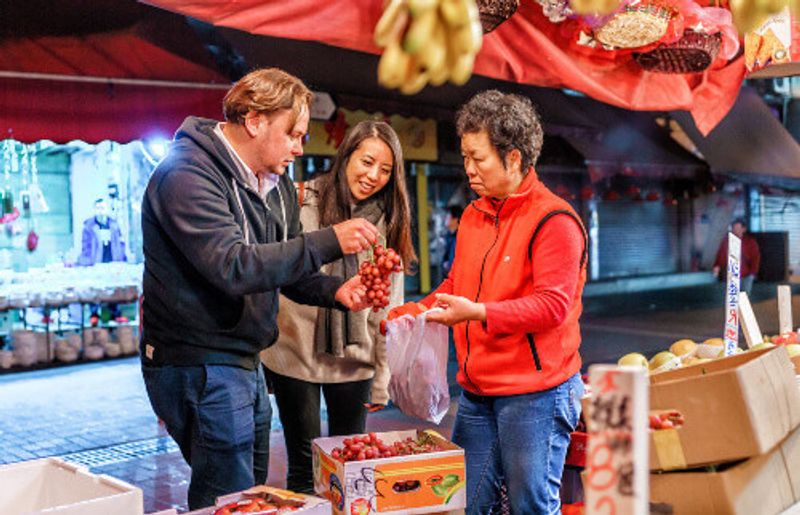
point(53, 486)
point(312, 505)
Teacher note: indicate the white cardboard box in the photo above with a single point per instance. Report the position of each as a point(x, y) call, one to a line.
point(312, 505)
point(53, 486)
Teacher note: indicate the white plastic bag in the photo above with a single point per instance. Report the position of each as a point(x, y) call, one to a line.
point(417, 357)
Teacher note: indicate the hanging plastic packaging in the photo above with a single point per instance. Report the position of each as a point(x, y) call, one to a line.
point(417, 357)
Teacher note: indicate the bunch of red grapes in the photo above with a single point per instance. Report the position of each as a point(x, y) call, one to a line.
point(376, 275)
point(369, 446)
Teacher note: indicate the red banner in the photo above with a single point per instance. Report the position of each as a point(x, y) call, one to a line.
point(526, 49)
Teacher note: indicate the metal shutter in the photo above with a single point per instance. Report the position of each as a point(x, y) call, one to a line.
point(782, 213)
point(637, 238)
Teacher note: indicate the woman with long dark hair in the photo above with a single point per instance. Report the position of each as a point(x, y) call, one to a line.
point(341, 354)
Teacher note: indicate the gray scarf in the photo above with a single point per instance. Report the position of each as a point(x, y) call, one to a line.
point(336, 329)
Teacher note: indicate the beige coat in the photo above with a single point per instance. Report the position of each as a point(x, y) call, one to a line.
point(293, 353)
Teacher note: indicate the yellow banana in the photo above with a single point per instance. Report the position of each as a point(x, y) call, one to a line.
point(388, 21)
point(473, 13)
point(392, 66)
point(439, 76)
point(433, 55)
point(461, 69)
point(771, 6)
point(415, 78)
point(454, 12)
point(418, 7)
point(420, 30)
point(746, 15)
point(468, 38)
point(594, 7)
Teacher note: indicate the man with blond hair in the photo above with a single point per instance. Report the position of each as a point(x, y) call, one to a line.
point(222, 239)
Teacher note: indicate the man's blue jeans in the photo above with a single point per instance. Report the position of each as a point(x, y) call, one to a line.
point(220, 416)
point(519, 440)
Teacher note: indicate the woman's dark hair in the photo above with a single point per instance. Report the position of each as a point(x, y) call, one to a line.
point(510, 120)
point(335, 197)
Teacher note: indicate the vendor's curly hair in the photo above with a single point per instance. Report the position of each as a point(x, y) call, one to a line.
point(510, 120)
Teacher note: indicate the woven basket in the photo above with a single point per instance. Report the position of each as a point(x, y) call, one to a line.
point(635, 26)
point(693, 53)
point(495, 12)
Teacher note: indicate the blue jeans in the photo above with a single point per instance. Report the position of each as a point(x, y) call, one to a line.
point(220, 416)
point(519, 440)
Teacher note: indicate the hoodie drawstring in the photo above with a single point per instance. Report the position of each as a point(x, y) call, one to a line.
point(244, 218)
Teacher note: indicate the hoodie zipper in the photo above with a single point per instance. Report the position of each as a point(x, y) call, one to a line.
point(480, 284)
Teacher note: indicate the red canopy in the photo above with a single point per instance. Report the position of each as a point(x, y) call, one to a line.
point(115, 85)
point(526, 49)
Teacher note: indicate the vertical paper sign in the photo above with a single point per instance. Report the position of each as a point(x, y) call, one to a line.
point(732, 295)
point(752, 333)
point(784, 309)
point(617, 468)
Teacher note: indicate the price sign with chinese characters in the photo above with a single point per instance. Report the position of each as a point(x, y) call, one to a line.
point(617, 468)
point(732, 295)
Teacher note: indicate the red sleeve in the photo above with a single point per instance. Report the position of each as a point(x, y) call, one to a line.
point(557, 254)
point(445, 286)
point(722, 254)
point(756, 256)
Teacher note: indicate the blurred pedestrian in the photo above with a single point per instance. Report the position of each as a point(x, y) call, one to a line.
point(451, 224)
point(750, 259)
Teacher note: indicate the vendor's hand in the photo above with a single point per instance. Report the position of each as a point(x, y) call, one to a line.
point(353, 294)
point(456, 309)
point(373, 407)
point(355, 235)
point(409, 308)
point(715, 271)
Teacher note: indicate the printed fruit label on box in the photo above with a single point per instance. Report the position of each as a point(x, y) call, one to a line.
point(414, 484)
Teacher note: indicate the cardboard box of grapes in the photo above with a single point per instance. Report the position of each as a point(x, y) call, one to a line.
point(392, 472)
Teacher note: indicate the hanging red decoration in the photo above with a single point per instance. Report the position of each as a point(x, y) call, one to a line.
point(336, 129)
point(10, 217)
point(633, 191)
point(653, 196)
point(611, 196)
point(564, 192)
point(33, 241)
point(587, 193)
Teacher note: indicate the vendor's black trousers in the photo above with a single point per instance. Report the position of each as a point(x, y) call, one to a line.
point(299, 406)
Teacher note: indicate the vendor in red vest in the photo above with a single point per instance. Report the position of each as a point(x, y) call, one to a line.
point(513, 299)
point(750, 259)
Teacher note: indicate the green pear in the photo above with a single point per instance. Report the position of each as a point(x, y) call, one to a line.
point(633, 359)
point(736, 350)
point(661, 359)
point(793, 349)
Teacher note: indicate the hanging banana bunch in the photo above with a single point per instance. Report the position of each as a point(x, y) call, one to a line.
point(427, 41)
point(748, 15)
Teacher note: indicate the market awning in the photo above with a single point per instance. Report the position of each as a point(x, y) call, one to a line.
point(62, 110)
point(526, 49)
point(82, 73)
point(750, 143)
